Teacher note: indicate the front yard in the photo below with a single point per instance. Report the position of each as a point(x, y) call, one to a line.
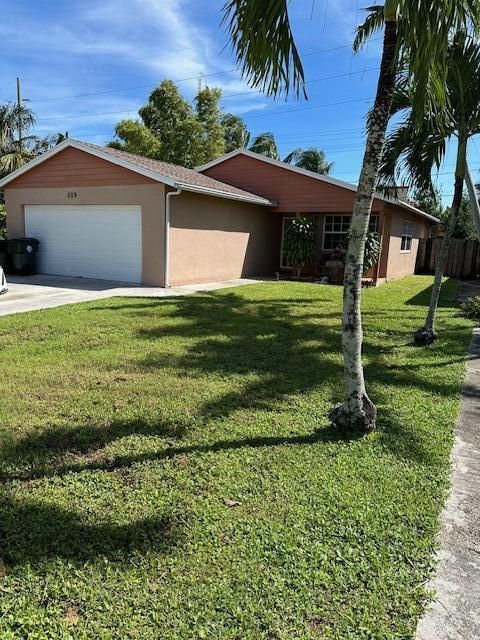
point(167, 469)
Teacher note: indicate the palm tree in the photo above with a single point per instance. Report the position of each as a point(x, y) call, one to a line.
point(15, 151)
point(417, 32)
point(310, 159)
point(473, 195)
point(420, 148)
point(265, 145)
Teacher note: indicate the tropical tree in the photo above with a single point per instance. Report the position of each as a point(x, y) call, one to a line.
point(419, 147)
point(310, 159)
point(265, 145)
point(416, 31)
point(15, 141)
point(237, 136)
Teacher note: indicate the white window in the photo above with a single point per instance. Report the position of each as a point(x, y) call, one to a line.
point(336, 230)
point(283, 263)
point(407, 235)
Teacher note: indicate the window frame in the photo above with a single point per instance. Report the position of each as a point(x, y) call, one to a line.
point(374, 218)
point(407, 236)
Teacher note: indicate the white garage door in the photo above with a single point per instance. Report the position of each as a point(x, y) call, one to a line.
point(88, 241)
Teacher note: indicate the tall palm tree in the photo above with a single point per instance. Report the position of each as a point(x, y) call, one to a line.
point(265, 145)
point(417, 32)
point(418, 148)
point(310, 159)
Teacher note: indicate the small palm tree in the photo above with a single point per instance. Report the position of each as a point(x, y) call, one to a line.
point(265, 145)
point(415, 31)
point(310, 159)
point(420, 148)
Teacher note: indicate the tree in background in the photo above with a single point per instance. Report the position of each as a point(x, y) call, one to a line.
point(173, 122)
point(172, 130)
point(209, 115)
point(237, 136)
point(15, 151)
point(134, 137)
point(265, 145)
point(310, 159)
point(429, 199)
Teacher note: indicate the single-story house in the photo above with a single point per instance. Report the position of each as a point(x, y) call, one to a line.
point(103, 213)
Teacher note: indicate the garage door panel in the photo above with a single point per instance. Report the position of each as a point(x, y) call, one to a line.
point(88, 241)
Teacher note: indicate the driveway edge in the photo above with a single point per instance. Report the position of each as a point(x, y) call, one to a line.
point(455, 612)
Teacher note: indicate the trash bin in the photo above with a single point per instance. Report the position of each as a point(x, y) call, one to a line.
point(4, 257)
point(23, 254)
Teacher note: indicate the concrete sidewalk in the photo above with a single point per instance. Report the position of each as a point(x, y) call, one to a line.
point(43, 292)
point(455, 612)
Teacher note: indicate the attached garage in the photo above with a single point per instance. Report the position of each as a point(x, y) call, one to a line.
point(88, 241)
point(102, 213)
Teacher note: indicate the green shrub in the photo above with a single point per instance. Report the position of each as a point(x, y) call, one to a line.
point(471, 308)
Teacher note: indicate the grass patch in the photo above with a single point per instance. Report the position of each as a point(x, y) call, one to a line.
point(168, 470)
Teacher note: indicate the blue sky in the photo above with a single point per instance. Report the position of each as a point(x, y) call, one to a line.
point(85, 65)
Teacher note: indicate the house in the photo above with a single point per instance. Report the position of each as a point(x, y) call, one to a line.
point(103, 213)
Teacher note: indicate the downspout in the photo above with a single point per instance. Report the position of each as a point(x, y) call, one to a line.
point(166, 243)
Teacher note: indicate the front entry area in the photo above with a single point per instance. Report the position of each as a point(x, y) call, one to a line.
point(88, 241)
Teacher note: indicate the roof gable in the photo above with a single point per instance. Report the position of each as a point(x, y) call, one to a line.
point(210, 169)
point(169, 174)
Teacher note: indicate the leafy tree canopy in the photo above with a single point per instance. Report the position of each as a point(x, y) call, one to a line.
point(173, 130)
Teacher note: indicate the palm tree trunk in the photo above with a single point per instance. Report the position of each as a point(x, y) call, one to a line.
point(357, 413)
point(427, 334)
point(473, 197)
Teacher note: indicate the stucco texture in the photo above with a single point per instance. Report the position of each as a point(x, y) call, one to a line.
point(214, 239)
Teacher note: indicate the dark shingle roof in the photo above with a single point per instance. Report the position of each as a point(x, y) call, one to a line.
point(181, 175)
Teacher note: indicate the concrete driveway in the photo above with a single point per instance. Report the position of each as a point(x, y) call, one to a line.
point(42, 292)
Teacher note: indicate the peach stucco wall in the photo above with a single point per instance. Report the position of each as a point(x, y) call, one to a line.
point(151, 198)
point(401, 263)
point(215, 239)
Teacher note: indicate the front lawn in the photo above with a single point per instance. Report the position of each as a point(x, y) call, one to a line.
point(168, 471)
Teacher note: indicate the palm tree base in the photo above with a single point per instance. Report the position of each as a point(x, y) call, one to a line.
point(424, 337)
point(355, 417)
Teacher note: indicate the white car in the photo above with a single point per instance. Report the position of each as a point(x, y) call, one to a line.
point(3, 282)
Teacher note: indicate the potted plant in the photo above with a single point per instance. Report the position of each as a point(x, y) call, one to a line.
point(299, 243)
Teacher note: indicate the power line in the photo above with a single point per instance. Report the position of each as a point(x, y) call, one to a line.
point(261, 115)
point(203, 75)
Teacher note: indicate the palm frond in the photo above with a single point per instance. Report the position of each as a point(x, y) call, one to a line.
point(374, 22)
point(310, 159)
point(264, 46)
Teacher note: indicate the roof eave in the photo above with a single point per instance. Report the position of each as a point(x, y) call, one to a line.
point(225, 194)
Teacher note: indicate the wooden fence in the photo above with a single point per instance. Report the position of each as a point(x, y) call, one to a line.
point(463, 260)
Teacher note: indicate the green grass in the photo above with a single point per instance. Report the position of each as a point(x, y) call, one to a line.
point(126, 423)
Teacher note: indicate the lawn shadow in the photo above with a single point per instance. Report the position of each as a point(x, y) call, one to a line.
point(32, 531)
point(274, 348)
